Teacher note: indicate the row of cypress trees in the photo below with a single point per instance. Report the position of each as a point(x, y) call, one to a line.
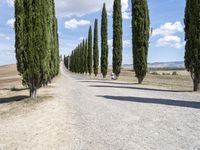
point(92, 52)
point(87, 53)
point(140, 40)
point(77, 59)
point(37, 51)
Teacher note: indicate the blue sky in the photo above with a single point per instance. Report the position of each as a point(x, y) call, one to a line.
point(75, 17)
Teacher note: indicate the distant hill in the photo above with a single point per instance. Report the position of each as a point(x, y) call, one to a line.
point(161, 65)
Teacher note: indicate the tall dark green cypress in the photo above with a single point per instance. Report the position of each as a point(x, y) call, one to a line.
point(192, 38)
point(66, 61)
point(19, 36)
point(56, 40)
point(104, 42)
point(140, 37)
point(83, 57)
point(117, 37)
point(86, 57)
point(52, 41)
point(95, 49)
point(34, 30)
point(90, 51)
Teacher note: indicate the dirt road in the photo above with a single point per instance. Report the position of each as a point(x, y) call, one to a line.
point(102, 115)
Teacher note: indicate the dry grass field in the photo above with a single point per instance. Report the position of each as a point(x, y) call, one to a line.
point(10, 81)
point(182, 81)
point(13, 95)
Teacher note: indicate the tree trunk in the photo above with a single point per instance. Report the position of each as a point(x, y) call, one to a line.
point(33, 92)
point(140, 79)
point(104, 76)
point(196, 84)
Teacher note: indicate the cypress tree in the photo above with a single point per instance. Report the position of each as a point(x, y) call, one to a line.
point(95, 49)
point(86, 57)
point(104, 42)
point(52, 41)
point(192, 38)
point(56, 40)
point(140, 37)
point(117, 37)
point(90, 51)
point(66, 61)
point(19, 36)
point(33, 29)
point(83, 57)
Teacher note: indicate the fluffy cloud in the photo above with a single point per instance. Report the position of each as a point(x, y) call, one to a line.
point(73, 23)
point(167, 35)
point(168, 28)
point(171, 41)
point(11, 22)
point(79, 8)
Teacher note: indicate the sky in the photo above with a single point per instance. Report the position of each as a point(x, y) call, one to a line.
point(75, 17)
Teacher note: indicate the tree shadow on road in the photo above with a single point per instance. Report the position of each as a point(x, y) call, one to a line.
point(168, 102)
point(14, 89)
point(136, 88)
point(12, 99)
point(107, 82)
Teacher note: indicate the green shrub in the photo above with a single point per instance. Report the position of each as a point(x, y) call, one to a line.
point(165, 74)
point(155, 73)
point(174, 73)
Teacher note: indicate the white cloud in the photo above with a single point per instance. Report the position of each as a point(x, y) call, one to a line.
point(126, 43)
point(171, 41)
point(126, 15)
point(110, 43)
point(125, 10)
point(80, 8)
point(167, 34)
point(11, 22)
point(73, 23)
point(10, 3)
point(81, 38)
point(168, 28)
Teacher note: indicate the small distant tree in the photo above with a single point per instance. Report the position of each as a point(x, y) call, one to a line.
point(66, 61)
point(83, 57)
point(140, 37)
point(104, 42)
point(95, 49)
point(86, 57)
point(117, 37)
point(90, 51)
point(192, 38)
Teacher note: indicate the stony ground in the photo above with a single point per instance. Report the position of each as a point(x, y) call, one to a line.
point(77, 113)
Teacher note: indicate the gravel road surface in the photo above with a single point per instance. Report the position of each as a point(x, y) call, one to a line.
point(104, 115)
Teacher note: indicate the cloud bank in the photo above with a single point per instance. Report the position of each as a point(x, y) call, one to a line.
point(167, 34)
